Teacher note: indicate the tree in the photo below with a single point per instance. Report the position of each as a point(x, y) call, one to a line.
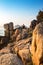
point(33, 24)
point(40, 16)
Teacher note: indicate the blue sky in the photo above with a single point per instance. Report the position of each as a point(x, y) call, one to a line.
point(19, 11)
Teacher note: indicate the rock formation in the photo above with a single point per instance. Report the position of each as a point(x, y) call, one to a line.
point(37, 45)
point(6, 27)
point(11, 29)
point(22, 45)
point(10, 59)
point(21, 48)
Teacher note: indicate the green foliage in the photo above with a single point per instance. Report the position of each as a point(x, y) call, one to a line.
point(40, 16)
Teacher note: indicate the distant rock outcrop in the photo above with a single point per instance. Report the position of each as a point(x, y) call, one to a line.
point(20, 33)
point(7, 33)
point(37, 45)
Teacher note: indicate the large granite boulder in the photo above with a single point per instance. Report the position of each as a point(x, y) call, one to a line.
point(21, 48)
point(10, 59)
point(19, 45)
point(37, 45)
point(15, 34)
point(25, 55)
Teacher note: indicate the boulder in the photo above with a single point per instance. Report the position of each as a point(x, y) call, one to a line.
point(17, 32)
point(24, 33)
point(11, 33)
point(4, 51)
point(19, 45)
point(7, 32)
point(11, 26)
point(21, 48)
point(19, 37)
point(10, 59)
point(25, 55)
point(37, 45)
point(6, 26)
point(13, 37)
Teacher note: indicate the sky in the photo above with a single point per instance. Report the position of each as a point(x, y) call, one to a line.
point(19, 11)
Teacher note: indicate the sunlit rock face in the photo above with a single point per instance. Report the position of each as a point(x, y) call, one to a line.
point(37, 45)
point(21, 48)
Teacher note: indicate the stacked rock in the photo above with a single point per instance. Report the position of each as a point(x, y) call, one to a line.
point(7, 33)
point(11, 29)
point(8, 30)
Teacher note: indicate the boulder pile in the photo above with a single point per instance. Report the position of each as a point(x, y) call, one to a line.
point(22, 45)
